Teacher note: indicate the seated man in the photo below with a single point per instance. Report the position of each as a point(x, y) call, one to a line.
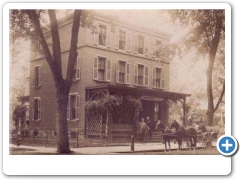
point(202, 128)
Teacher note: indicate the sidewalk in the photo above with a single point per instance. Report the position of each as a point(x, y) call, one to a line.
point(103, 150)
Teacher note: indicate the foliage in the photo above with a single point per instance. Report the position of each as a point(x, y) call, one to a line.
point(114, 104)
point(206, 31)
point(19, 114)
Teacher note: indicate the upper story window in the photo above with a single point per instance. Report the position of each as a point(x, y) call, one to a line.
point(141, 75)
point(122, 40)
point(36, 109)
point(102, 35)
point(158, 78)
point(73, 107)
point(102, 69)
point(76, 75)
point(140, 44)
point(122, 75)
point(158, 48)
point(37, 76)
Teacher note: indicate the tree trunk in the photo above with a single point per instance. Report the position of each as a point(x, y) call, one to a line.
point(61, 119)
point(210, 111)
point(211, 59)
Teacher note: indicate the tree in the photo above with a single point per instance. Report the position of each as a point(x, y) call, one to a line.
point(206, 32)
point(19, 115)
point(28, 23)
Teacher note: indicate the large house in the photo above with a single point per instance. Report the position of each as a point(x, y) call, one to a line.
point(115, 57)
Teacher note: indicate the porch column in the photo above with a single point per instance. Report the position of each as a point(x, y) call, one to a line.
point(184, 110)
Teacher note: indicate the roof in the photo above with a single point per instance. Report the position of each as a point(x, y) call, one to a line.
point(142, 91)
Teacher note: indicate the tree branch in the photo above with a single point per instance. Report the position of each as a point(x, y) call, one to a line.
point(73, 47)
point(220, 98)
point(56, 43)
point(36, 23)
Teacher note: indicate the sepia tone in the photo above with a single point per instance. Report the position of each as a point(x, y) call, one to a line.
point(117, 82)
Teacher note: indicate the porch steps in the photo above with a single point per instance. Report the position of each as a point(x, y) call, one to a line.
point(156, 137)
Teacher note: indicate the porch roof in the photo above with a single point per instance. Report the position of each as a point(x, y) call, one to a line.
point(158, 93)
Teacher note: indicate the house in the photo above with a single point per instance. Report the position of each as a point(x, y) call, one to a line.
point(113, 58)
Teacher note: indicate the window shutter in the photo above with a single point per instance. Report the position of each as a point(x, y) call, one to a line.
point(78, 68)
point(136, 44)
point(39, 109)
point(154, 77)
point(128, 42)
point(95, 68)
point(128, 73)
point(146, 73)
point(33, 109)
point(154, 48)
point(33, 77)
point(163, 78)
point(109, 68)
point(68, 109)
point(77, 106)
point(108, 34)
point(40, 76)
point(135, 74)
point(117, 71)
point(96, 34)
point(150, 48)
point(116, 38)
point(146, 46)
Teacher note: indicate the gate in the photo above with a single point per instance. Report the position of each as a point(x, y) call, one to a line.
point(94, 126)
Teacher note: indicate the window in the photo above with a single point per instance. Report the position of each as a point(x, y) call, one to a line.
point(36, 109)
point(158, 49)
point(76, 75)
point(102, 35)
point(37, 73)
point(158, 78)
point(73, 107)
point(140, 44)
point(141, 75)
point(102, 69)
point(122, 40)
point(37, 48)
point(122, 72)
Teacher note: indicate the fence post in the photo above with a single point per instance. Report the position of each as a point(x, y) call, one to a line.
point(46, 138)
point(77, 138)
point(132, 143)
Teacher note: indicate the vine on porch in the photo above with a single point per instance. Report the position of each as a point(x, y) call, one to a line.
point(126, 105)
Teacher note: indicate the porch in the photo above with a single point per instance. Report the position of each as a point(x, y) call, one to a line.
point(119, 125)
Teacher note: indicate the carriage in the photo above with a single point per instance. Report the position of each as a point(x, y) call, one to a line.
point(206, 139)
point(187, 133)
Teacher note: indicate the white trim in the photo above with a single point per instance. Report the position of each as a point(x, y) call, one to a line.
point(76, 94)
point(39, 100)
point(106, 59)
point(144, 65)
point(34, 78)
point(126, 35)
point(125, 76)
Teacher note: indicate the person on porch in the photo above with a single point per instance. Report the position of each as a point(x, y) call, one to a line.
point(143, 129)
point(149, 124)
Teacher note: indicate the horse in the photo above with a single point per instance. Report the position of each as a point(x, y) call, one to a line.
point(188, 132)
point(167, 135)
